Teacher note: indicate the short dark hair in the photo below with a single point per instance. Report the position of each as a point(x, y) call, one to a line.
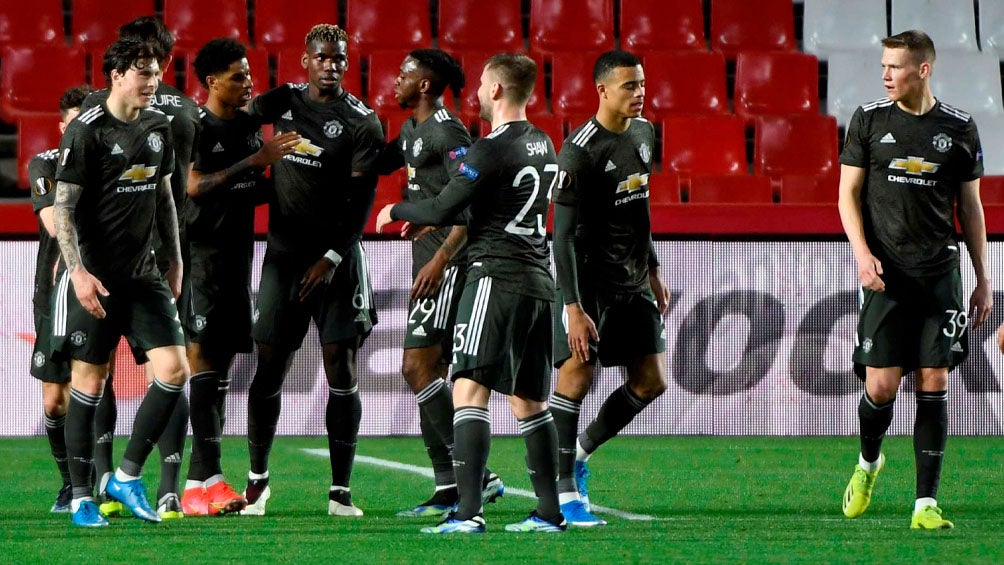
point(611, 60)
point(73, 97)
point(326, 33)
point(917, 43)
point(443, 70)
point(123, 53)
point(151, 30)
point(217, 56)
point(517, 72)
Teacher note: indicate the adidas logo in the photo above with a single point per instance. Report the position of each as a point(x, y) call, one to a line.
point(419, 331)
point(106, 437)
point(173, 458)
point(887, 138)
point(957, 347)
point(288, 115)
point(218, 148)
point(117, 150)
point(610, 166)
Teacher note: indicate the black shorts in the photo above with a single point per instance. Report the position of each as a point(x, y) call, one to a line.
point(502, 340)
point(430, 320)
point(919, 321)
point(141, 310)
point(217, 309)
point(342, 310)
point(629, 324)
point(43, 367)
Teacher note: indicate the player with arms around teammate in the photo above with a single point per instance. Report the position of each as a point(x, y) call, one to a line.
point(502, 336)
point(182, 112)
point(225, 185)
point(55, 376)
point(113, 185)
point(909, 161)
point(608, 275)
point(314, 266)
point(431, 143)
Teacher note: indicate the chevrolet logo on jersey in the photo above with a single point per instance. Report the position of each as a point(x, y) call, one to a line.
point(914, 165)
point(305, 147)
point(411, 172)
point(633, 183)
point(138, 173)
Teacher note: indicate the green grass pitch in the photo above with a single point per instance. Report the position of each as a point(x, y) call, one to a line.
point(734, 499)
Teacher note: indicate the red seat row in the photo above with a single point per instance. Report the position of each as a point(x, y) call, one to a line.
point(554, 25)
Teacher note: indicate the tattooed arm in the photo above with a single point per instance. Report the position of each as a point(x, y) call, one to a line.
point(167, 227)
point(86, 286)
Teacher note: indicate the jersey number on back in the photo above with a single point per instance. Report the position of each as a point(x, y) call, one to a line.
point(515, 226)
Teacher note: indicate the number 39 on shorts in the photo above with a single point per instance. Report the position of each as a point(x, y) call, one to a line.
point(957, 322)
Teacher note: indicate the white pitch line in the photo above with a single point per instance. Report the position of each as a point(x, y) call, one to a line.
point(427, 472)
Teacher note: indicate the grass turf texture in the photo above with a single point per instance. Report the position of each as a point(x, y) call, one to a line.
point(714, 499)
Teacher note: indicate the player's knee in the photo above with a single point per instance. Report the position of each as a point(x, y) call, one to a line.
point(174, 374)
point(54, 405)
point(881, 393)
point(650, 390)
point(417, 375)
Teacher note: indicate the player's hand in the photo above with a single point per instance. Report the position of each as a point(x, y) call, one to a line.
point(870, 273)
point(429, 279)
point(173, 277)
point(581, 330)
point(1000, 338)
point(318, 275)
point(87, 288)
point(415, 232)
point(980, 304)
point(277, 147)
point(383, 218)
point(660, 290)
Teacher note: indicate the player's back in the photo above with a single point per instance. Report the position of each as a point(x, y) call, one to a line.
point(506, 233)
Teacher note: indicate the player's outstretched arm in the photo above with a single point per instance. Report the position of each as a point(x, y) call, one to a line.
point(167, 226)
point(852, 180)
point(974, 233)
point(200, 184)
point(85, 285)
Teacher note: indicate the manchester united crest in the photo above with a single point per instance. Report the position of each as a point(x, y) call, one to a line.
point(155, 141)
point(333, 129)
point(942, 143)
point(416, 148)
point(645, 152)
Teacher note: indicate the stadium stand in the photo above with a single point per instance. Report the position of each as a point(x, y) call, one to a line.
point(685, 82)
point(655, 25)
point(566, 25)
point(776, 83)
point(461, 26)
point(278, 27)
point(24, 91)
point(387, 24)
point(764, 25)
point(952, 29)
point(31, 23)
point(838, 25)
point(193, 23)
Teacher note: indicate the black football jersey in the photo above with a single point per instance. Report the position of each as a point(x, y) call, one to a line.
point(431, 151)
point(914, 167)
point(506, 180)
point(608, 183)
point(312, 184)
point(119, 165)
point(222, 221)
point(42, 173)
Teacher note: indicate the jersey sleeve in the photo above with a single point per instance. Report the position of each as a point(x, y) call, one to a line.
point(476, 170)
point(577, 168)
point(367, 143)
point(855, 152)
point(76, 149)
point(203, 151)
point(974, 168)
point(391, 158)
point(269, 106)
point(454, 144)
point(41, 173)
point(167, 160)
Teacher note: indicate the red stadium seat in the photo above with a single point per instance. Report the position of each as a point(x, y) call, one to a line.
point(289, 69)
point(573, 92)
point(685, 83)
point(730, 189)
point(741, 25)
point(663, 188)
point(31, 23)
point(553, 126)
point(95, 23)
point(810, 189)
point(462, 26)
point(194, 22)
point(705, 145)
point(796, 145)
point(776, 84)
point(648, 25)
point(473, 63)
point(257, 60)
point(388, 24)
point(566, 25)
point(992, 190)
point(35, 133)
point(390, 190)
point(25, 91)
point(279, 27)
